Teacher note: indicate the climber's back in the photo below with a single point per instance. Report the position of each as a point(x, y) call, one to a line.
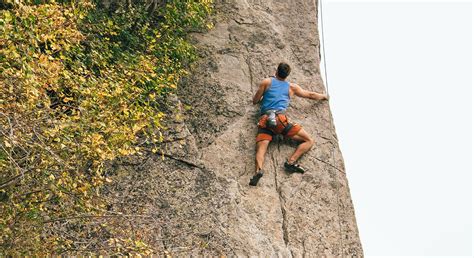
point(276, 97)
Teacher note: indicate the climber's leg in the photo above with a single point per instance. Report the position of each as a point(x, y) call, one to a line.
point(305, 146)
point(260, 154)
point(262, 146)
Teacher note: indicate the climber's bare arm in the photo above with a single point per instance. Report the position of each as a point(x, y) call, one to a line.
point(261, 89)
point(298, 91)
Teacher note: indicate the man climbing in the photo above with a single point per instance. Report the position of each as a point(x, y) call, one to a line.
point(275, 94)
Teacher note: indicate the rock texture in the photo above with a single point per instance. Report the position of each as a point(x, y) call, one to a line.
point(197, 191)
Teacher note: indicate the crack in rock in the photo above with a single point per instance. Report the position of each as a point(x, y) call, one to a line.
point(284, 225)
point(247, 60)
point(331, 165)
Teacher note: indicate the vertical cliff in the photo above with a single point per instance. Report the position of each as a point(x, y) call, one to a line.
point(197, 192)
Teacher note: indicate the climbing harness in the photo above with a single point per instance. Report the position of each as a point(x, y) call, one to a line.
point(270, 119)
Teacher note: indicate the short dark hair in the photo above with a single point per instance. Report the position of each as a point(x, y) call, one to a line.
point(283, 70)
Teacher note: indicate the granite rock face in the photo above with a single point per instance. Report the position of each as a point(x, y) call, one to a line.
point(197, 190)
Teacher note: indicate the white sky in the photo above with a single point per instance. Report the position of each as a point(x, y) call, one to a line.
point(400, 80)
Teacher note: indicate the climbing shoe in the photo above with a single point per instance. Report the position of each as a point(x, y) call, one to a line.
point(255, 178)
point(293, 167)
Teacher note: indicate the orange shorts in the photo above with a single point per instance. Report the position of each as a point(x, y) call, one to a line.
point(266, 133)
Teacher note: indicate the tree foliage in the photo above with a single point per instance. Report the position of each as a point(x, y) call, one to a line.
point(80, 85)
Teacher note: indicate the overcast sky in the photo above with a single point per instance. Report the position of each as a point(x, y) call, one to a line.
point(400, 80)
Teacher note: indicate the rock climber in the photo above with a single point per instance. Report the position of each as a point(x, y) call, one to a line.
point(274, 93)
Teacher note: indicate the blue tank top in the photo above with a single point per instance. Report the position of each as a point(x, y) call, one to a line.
point(276, 97)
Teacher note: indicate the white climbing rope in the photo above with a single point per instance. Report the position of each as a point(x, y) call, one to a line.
point(320, 2)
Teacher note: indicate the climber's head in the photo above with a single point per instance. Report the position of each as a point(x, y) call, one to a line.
point(283, 70)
